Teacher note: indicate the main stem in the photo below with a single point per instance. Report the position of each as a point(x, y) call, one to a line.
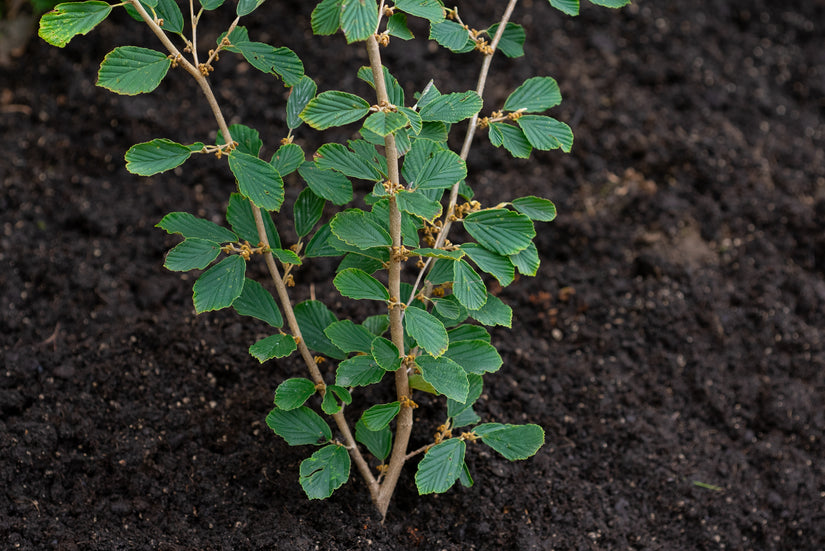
point(404, 421)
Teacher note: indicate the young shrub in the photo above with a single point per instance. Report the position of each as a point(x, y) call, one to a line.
point(427, 333)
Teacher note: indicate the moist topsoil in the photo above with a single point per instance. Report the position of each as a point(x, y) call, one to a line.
point(672, 345)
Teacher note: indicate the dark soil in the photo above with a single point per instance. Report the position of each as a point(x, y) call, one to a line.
point(672, 346)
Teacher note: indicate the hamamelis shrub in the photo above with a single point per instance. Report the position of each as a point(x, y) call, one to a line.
point(429, 297)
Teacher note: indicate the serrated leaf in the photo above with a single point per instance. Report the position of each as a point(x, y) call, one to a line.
point(245, 7)
point(494, 312)
point(395, 92)
point(325, 17)
point(359, 19)
point(330, 404)
point(536, 208)
point(299, 426)
point(358, 371)
point(327, 184)
point(70, 19)
point(192, 254)
point(313, 318)
point(131, 70)
point(292, 393)
point(448, 308)
point(475, 356)
point(432, 10)
point(468, 333)
point(535, 95)
point(356, 228)
point(466, 417)
point(446, 376)
point(334, 108)
point(357, 284)
point(271, 60)
point(257, 302)
point(433, 131)
point(359, 262)
point(258, 180)
point(494, 264)
point(324, 471)
point(441, 467)
point(379, 443)
point(249, 139)
point(379, 416)
point(610, 3)
point(442, 171)
point(275, 346)
point(513, 139)
point(456, 408)
point(418, 155)
point(335, 156)
point(427, 331)
point(441, 271)
point(385, 353)
point(451, 108)
point(307, 210)
point(397, 27)
point(240, 216)
point(500, 230)
point(385, 123)
point(169, 11)
point(570, 7)
point(413, 118)
point(512, 441)
point(512, 39)
point(438, 253)
point(287, 159)
point(546, 133)
point(323, 243)
point(157, 156)
point(189, 226)
point(302, 92)
point(377, 325)
point(527, 261)
point(452, 36)
point(220, 285)
point(418, 205)
point(349, 337)
point(468, 287)
point(417, 382)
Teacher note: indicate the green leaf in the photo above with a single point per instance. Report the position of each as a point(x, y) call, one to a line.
point(327, 184)
point(192, 254)
point(287, 159)
point(494, 264)
point(512, 39)
point(395, 91)
point(169, 11)
point(441, 467)
point(157, 156)
point(438, 253)
point(313, 318)
point(468, 333)
point(335, 156)
point(220, 285)
point(397, 27)
point(500, 230)
point(68, 20)
point(456, 408)
point(440, 272)
point(570, 7)
point(610, 3)
point(249, 139)
point(359, 19)
point(527, 261)
point(323, 243)
point(452, 108)
point(356, 228)
point(384, 123)
point(513, 139)
point(275, 346)
point(292, 393)
point(245, 7)
point(188, 226)
point(341, 393)
point(475, 356)
point(427, 331)
point(432, 10)
point(417, 382)
point(209, 5)
point(413, 118)
point(446, 376)
point(359, 262)
point(257, 302)
point(258, 180)
point(377, 325)
point(536, 208)
point(418, 204)
point(512, 441)
point(379, 416)
point(466, 417)
point(240, 217)
point(433, 131)
point(449, 309)
point(494, 312)
point(358, 371)
point(468, 286)
point(271, 60)
point(286, 256)
point(386, 354)
point(409, 225)
point(334, 108)
point(307, 211)
point(299, 426)
point(465, 478)
point(324, 471)
point(326, 17)
point(330, 405)
point(349, 337)
point(379, 443)
point(535, 95)
point(442, 171)
point(452, 36)
point(131, 70)
point(546, 133)
point(357, 284)
point(302, 92)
